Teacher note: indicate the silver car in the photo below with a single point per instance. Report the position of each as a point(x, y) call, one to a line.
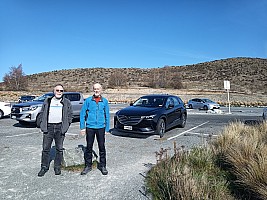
point(28, 112)
point(203, 103)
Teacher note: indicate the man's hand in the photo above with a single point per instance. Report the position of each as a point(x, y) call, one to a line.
point(83, 132)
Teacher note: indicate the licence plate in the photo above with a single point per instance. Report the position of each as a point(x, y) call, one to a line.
point(128, 127)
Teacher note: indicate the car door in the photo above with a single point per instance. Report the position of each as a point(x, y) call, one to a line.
point(76, 103)
point(199, 103)
point(170, 112)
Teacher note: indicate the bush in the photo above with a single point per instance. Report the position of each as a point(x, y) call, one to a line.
point(233, 166)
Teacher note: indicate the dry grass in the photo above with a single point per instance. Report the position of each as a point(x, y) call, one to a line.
point(127, 95)
point(233, 166)
point(188, 175)
point(242, 150)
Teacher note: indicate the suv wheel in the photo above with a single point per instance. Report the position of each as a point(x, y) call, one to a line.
point(205, 107)
point(183, 120)
point(1, 114)
point(190, 106)
point(38, 121)
point(161, 128)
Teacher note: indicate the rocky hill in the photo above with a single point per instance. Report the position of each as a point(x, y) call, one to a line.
point(246, 75)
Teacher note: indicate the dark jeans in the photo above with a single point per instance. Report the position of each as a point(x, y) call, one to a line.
point(90, 137)
point(54, 133)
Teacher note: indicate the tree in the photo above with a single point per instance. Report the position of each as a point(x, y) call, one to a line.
point(15, 79)
point(117, 79)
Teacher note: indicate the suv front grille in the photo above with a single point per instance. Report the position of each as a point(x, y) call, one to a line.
point(129, 120)
point(15, 110)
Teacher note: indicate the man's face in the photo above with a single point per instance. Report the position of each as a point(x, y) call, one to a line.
point(97, 90)
point(58, 91)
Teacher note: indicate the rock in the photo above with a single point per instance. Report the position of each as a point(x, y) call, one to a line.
point(75, 156)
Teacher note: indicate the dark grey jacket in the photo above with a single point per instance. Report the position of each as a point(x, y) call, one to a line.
point(66, 114)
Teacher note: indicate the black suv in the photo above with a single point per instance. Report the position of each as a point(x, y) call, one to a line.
point(152, 114)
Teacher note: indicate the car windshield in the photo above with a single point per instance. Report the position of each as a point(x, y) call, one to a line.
point(43, 97)
point(149, 102)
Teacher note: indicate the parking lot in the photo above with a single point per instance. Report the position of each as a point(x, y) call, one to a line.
point(128, 158)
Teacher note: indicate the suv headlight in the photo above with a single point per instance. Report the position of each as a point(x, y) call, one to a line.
point(148, 117)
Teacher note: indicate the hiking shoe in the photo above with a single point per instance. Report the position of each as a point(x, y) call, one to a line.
point(103, 170)
point(42, 171)
point(57, 171)
point(86, 170)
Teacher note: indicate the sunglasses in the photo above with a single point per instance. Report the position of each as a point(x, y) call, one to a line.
point(60, 90)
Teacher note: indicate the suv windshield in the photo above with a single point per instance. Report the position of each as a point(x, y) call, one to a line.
point(149, 102)
point(43, 97)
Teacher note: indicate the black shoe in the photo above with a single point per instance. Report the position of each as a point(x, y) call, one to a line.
point(57, 171)
point(86, 170)
point(42, 171)
point(103, 170)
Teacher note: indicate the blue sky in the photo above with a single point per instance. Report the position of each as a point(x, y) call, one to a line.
point(47, 35)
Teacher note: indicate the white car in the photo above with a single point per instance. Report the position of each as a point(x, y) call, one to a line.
point(5, 109)
point(264, 114)
point(202, 103)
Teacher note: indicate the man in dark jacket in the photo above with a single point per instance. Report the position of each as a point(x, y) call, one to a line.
point(56, 117)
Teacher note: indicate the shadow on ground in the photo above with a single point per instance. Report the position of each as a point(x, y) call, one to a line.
point(126, 134)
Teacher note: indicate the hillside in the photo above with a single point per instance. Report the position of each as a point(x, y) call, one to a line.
point(247, 75)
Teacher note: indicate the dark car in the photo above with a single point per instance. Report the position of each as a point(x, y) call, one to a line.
point(152, 114)
point(26, 98)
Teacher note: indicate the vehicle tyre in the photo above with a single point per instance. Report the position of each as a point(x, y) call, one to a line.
point(161, 127)
point(38, 121)
point(183, 121)
point(205, 107)
point(1, 114)
point(190, 106)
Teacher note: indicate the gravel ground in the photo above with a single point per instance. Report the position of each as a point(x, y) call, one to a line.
point(129, 157)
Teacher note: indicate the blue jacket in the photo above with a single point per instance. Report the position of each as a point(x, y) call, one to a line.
point(95, 115)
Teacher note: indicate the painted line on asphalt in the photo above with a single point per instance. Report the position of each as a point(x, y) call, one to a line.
point(10, 136)
point(188, 130)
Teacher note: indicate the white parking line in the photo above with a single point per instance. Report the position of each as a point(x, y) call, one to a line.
point(187, 131)
point(10, 136)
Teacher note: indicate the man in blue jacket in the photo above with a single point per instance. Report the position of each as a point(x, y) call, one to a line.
point(94, 121)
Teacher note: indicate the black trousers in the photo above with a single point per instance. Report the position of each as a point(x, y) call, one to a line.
point(54, 133)
point(90, 137)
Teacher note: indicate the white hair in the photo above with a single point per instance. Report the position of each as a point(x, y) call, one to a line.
point(97, 85)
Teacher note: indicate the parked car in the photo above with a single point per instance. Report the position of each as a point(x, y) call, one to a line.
point(26, 98)
point(264, 114)
point(151, 114)
point(203, 103)
point(5, 109)
point(28, 112)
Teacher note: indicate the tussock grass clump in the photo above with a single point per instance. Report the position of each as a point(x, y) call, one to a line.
point(242, 151)
point(188, 175)
point(233, 166)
